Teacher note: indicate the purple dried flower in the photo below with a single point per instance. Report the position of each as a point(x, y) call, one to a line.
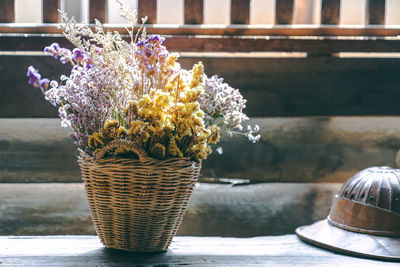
point(44, 83)
point(65, 55)
point(87, 63)
point(33, 76)
point(78, 55)
point(154, 38)
point(52, 50)
point(151, 55)
point(55, 51)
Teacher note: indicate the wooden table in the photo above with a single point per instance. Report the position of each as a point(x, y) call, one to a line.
point(285, 250)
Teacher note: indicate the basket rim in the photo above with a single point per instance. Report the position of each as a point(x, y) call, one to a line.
point(85, 156)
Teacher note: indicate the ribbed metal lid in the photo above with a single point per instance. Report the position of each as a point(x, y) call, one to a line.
point(375, 186)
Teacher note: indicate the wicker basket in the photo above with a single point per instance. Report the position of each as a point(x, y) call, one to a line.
point(137, 204)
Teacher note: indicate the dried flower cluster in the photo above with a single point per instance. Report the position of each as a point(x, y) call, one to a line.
point(137, 91)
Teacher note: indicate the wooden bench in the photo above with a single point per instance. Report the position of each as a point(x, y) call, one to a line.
point(298, 97)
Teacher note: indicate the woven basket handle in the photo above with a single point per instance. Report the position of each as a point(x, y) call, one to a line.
point(129, 145)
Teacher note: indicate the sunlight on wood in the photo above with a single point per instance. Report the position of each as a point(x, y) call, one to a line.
point(307, 11)
point(353, 12)
point(170, 11)
point(217, 12)
point(28, 11)
point(368, 55)
point(262, 12)
point(113, 10)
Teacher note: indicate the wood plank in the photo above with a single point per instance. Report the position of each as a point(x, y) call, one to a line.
point(271, 44)
point(230, 30)
point(148, 8)
point(31, 42)
point(286, 250)
point(194, 11)
point(301, 149)
point(284, 11)
point(98, 10)
point(61, 208)
point(240, 11)
point(376, 12)
point(50, 11)
point(7, 12)
point(330, 12)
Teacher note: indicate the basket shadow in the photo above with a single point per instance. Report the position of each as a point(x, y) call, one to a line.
point(114, 255)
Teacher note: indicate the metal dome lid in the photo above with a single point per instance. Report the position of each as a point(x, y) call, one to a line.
point(369, 202)
point(364, 219)
point(375, 186)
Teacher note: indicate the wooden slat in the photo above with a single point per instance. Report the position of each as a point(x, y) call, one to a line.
point(193, 11)
point(284, 11)
point(50, 11)
point(376, 12)
point(240, 11)
point(148, 8)
point(330, 12)
point(7, 13)
point(62, 208)
point(218, 44)
point(231, 30)
point(44, 152)
point(98, 10)
point(329, 45)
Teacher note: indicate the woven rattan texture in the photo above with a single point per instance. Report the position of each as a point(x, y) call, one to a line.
point(137, 204)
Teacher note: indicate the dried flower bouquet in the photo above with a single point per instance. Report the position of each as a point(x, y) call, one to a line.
point(142, 124)
point(137, 91)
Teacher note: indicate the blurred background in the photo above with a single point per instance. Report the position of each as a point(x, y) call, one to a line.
point(215, 11)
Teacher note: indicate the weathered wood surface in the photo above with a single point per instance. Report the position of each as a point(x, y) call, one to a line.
point(98, 10)
point(193, 12)
point(303, 149)
point(7, 13)
point(214, 209)
point(284, 11)
point(274, 87)
point(34, 42)
point(285, 250)
point(228, 30)
point(240, 11)
point(376, 12)
point(147, 8)
point(50, 11)
point(330, 12)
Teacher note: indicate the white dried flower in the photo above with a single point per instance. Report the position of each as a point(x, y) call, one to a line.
point(220, 100)
point(53, 83)
point(251, 137)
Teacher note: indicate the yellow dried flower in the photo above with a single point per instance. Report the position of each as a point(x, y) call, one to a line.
point(122, 132)
point(157, 151)
point(166, 122)
point(110, 125)
point(197, 76)
point(215, 134)
point(173, 149)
